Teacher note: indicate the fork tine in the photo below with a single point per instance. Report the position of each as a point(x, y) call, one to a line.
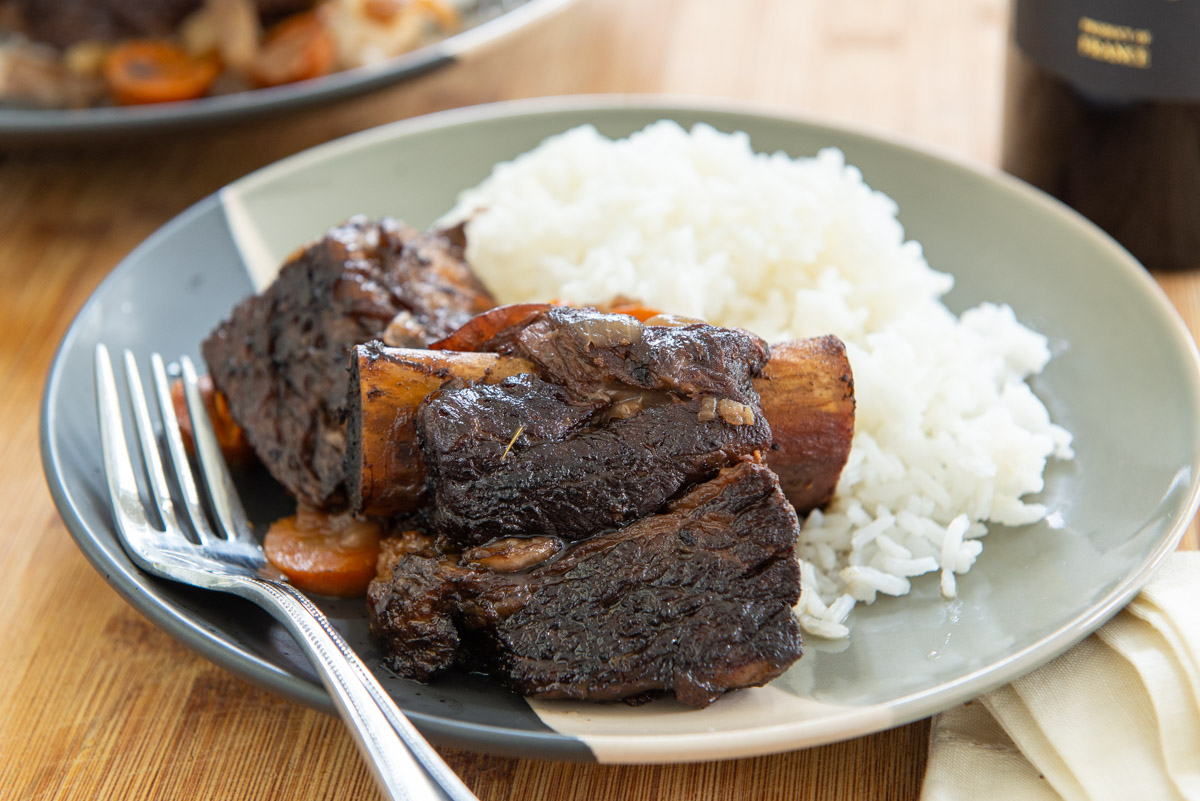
point(179, 458)
point(118, 469)
point(149, 443)
point(221, 490)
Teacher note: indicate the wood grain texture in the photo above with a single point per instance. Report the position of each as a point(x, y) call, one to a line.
point(95, 702)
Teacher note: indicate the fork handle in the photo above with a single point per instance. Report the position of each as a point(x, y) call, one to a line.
point(429, 758)
point(405, 766)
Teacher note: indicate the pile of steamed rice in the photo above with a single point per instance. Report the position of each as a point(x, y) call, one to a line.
point(949, 437)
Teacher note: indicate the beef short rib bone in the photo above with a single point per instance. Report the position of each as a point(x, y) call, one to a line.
point(696, 600)
point(807, 392)
point(281, 357)
point(385, 474)
point(806, 389)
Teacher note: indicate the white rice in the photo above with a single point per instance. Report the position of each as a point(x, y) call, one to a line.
point(948, 438)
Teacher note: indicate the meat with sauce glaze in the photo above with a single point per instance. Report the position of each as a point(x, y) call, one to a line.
point(281, 358)
point(66, 22)
point(619, 419)
point(696, 600)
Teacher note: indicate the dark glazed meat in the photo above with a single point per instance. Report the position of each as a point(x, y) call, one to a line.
point(270, 10)
point(281, 358)
point(65, 22)
point(588, 352)
point(522, 457)
point(696, 600)
point(806, 389)
point(620, 418)
point(436, 290)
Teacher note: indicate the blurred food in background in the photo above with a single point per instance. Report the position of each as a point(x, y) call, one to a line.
point(80, 53)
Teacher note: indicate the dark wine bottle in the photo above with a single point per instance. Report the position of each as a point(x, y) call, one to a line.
point(1102, 110)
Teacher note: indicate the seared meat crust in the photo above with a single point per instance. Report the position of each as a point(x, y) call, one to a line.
point(696, 600)
point(282, 357)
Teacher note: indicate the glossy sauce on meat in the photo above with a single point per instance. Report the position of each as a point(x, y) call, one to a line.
point(281, 358)
point(695, 600)
point(610, 429)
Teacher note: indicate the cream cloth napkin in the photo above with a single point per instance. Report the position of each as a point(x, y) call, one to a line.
point(1115, 718)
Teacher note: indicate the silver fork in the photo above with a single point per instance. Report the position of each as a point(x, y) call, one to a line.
point(405, 766)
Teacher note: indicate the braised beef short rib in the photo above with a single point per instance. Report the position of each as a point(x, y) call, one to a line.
point(593, 354)
point(571, 471)
point(619, 419)
point(281, 358)
point(695, 600)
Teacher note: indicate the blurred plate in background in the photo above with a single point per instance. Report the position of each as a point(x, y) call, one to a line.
point(493, 21)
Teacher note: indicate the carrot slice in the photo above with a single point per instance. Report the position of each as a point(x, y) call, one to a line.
point(230, 436)
point(149, 71)
point(642, 313)
point(296, 49)
point(474, 333)
point(445, 14)
point(324, 553)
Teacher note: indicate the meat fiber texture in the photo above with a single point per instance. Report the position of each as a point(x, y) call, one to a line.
point(620, 419)
point(282, 357)
point(696, 600)
point(587, 352)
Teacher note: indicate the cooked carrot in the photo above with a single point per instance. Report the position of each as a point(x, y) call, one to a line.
point(324, 553)
point(443, 13)
point(383, 12)
point(391, 12)
point(296, 49)
point(637, 310)
point(230, 436)
point(149, 71)
point(618, 305)
point(479, 329)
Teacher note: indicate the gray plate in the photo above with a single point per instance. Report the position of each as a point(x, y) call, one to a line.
point(1124, 379)
point(495, 20)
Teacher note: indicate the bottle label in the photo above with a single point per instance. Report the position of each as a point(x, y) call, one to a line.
point(1115, 49)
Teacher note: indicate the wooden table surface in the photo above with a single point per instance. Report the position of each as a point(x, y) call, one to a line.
point(95, 702)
